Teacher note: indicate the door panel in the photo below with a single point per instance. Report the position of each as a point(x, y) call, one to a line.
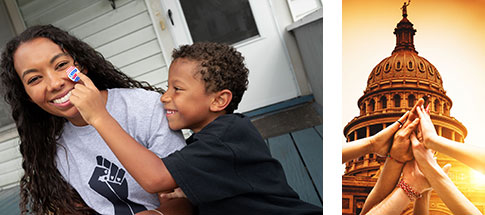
point(271, 77)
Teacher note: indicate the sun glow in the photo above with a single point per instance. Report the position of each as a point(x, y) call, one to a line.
point(477, 178)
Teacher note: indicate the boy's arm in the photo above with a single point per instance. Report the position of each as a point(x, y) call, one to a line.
point(145, 167)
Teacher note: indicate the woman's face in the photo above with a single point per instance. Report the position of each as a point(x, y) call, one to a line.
point(41, 65)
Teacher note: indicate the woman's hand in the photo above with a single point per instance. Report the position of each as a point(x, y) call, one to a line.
point(88, 100)
point(381, 142)
point(401, 146)
point(428, 132)
point(414, 177)
point(177, 193)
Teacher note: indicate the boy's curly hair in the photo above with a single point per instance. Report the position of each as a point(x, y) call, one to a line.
point(221, 67)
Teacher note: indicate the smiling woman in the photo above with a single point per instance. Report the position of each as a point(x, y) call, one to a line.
point(41, 66)
point(68, 167)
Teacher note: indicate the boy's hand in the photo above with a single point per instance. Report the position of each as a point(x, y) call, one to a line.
point(88, 100)
point(177, 193)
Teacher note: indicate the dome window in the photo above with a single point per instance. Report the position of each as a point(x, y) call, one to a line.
point(438, 76)
point(430, 70)
point(372, 105)
point(383, 102)
point(437, 105)
point(398, 65)
point(421, 67)
point(378, 71)
point(410, 66)
point(397, 100)
point(387, 67)
point(411, 100)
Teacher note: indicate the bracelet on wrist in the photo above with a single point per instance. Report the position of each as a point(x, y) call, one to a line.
point(389, 156)
point(157, 211)
point(410, 192)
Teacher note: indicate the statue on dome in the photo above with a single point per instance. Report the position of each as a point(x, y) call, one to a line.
point(404, 8)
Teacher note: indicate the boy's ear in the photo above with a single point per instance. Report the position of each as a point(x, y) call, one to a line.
point(221, 100)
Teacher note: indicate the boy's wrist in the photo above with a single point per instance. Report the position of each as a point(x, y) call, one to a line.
point(101, 119)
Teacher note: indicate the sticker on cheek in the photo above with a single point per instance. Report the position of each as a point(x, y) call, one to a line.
point(72, 73)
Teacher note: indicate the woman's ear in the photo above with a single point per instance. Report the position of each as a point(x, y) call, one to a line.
point(221, 100)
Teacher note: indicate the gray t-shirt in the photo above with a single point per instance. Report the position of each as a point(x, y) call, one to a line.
point(87, 163)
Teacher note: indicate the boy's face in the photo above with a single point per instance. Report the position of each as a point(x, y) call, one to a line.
point(186, 102)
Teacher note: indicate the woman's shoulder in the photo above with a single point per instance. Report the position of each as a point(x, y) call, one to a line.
point(133, 94)
point(133, 97)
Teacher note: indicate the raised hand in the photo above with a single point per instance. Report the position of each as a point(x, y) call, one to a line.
point(428, 131)
point(401, 146)
point(90, 102)
point(109, 181)
point(381, 142)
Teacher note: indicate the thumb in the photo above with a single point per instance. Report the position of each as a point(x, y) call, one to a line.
point(86, 80)
point(446, 168)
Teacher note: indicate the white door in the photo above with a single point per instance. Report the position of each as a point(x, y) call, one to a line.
point(271, 77)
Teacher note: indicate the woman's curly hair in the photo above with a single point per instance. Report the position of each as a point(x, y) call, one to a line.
point(42, 188)
point(221, 67)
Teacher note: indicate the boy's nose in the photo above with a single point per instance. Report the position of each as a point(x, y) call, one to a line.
point(165, 98)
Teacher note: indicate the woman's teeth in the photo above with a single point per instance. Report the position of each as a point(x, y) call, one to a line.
point(63, 99)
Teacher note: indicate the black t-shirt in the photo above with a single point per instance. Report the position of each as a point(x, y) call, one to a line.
point(226, 168)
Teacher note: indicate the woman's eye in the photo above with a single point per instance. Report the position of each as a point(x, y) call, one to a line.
point(61, 65)
point(33, 79)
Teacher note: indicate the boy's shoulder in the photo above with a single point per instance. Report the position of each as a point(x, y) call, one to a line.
point(228, 127)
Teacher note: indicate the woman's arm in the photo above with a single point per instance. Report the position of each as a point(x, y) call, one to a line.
point(385, 184)
point(379, 143)
point(395, 203)
point(468, 154)
point(421, 205)
point(392, 167)
point(442, 185)
point(145, 167)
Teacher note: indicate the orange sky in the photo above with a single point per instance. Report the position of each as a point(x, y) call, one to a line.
point(450, 34)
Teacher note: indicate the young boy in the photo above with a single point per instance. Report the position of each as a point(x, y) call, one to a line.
point(226, 167)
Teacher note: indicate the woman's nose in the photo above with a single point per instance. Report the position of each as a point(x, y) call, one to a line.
point(55, 80)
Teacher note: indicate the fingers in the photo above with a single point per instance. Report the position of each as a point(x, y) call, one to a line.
point(172, 195)
point(411, 127)
point(446, 168)
point(421, 114)
point(413, 113)
point(86, 81)
point(395, 125)
point(414, 139)
point(404, 117)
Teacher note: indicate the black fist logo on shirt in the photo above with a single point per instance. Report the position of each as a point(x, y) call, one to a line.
point(109, 181)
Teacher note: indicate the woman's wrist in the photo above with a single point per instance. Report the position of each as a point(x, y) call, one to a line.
point(412, 192)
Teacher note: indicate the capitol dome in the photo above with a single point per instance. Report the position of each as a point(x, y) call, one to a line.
point(405, 63)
